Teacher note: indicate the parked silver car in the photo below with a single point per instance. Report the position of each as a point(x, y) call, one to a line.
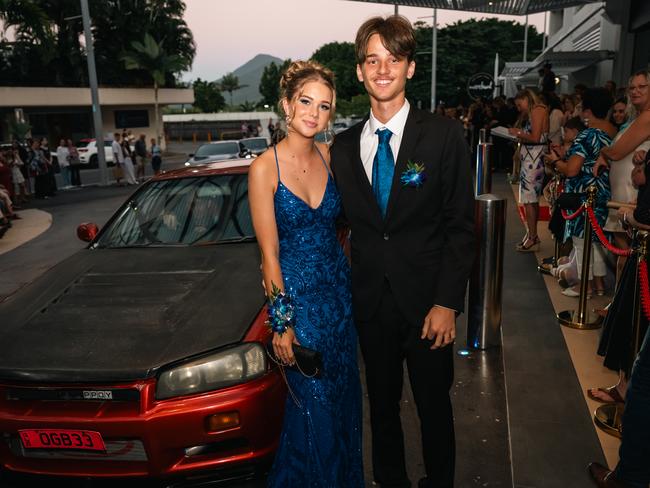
point(216, 151)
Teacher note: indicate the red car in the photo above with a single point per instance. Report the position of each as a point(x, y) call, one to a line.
point(143, 355)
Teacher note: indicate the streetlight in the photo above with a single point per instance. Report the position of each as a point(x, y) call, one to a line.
point(94, 94)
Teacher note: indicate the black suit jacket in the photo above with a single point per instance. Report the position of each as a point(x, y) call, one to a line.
point(425, 245)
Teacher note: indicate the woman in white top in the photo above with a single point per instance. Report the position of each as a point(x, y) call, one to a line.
point(62, 155)
point(621, 167)
point(531, 132)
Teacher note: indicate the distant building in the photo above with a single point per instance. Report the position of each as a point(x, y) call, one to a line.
point(591, 44)
point(216, 126)
point(56, 112)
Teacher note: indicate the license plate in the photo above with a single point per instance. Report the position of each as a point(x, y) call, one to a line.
point(86, 440)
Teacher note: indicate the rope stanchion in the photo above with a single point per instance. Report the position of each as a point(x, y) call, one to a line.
point(645, 288)
point(583, 318)
point(603, 239)
point(608, 417)
point(574, 215)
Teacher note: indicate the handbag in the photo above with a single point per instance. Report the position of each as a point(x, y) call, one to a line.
point(569, 201)
point(308, 361)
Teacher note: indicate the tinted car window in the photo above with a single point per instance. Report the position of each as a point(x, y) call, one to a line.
point(254, 144)
point(217, 149)
point(184, 211)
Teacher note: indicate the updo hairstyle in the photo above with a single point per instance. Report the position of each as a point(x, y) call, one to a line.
point(300, 73)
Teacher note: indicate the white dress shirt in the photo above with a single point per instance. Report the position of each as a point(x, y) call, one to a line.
point(369, 140)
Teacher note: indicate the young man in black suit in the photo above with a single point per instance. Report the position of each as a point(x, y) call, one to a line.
point(404, 178)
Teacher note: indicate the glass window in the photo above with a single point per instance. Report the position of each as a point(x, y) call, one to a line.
point(201, 210)
point(217, 149)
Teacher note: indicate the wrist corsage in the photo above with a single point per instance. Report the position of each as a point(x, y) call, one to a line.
point(281, 311)
point(414, 175)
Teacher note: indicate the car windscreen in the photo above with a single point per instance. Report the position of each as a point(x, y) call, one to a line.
point(188, 211)
point(217, 149)
point(254, 144)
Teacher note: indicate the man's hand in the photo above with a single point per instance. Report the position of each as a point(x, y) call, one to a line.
point(439, 326)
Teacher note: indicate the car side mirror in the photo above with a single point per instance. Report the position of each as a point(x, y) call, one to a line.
point(190, 155)
point(87, 231)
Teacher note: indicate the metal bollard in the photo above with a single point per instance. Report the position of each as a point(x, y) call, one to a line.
point(486, 282)
point(483, 177)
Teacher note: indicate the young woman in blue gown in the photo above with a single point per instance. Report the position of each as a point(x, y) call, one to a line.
point(294, 204)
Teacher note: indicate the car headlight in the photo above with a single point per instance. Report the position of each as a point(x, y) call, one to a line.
point(225, 368)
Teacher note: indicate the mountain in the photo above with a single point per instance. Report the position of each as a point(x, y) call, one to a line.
point(250, 74)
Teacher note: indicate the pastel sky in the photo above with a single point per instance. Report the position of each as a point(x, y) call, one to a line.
point(230, 32)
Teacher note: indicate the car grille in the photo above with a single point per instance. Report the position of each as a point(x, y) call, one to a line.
point(96, 394)
point(116, 450)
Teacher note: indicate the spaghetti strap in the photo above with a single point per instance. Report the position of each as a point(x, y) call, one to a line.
point(277, 164)
point(322, 159)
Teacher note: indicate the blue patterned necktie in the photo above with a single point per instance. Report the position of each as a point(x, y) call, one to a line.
point(383, 167)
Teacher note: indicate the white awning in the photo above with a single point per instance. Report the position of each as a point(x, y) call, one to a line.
point(504, 7)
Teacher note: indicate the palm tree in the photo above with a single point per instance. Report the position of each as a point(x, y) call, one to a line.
point(230, 83)
point(149, 56)
point(247, 106)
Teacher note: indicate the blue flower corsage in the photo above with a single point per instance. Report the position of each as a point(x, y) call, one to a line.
point(414, 175)
point(281, 311)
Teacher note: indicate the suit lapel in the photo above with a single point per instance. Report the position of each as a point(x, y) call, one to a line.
point(362, 179)
point(407, 147)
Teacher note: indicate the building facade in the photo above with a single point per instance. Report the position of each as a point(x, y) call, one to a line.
point(66, 112)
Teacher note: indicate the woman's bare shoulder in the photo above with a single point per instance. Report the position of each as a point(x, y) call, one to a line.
point(264, 165)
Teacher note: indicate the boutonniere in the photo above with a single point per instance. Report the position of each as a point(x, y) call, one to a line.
point(414, 175)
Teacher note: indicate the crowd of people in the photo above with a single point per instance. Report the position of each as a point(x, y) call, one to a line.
point(131, 155)
point(28, 169)
point(595, 138)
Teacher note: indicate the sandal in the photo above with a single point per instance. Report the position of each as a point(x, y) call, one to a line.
point(528, 245)
point(611, 391)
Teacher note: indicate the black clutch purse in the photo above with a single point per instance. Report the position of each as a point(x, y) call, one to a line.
point(308, 361)
point(569, 201)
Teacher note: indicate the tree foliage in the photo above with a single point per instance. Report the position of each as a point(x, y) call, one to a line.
point(340, 58)
point(230, 83)
point(464, 49)
point(47, 51)
point(207, 96)
point(270, 83)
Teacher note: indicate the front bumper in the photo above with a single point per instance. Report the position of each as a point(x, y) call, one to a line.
point(146, 437)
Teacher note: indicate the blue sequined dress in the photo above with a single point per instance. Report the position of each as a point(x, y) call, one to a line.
point(320, 445)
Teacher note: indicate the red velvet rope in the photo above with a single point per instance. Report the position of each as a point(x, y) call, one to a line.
point(645, 291)
point(574, 214)
point(602, 238)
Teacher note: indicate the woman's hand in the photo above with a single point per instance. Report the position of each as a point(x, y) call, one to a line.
point(600, 165)
point(639, 157)
point(638, 176)
point(513, 131)
point(283, 346)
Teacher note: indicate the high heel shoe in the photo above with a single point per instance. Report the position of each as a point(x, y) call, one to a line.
point(529, 245)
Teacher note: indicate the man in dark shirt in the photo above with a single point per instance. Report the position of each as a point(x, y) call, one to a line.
point(140, 157)
point(548, 82)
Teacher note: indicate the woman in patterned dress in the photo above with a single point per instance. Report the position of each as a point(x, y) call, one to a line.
point(532, 132)
point(577, 165)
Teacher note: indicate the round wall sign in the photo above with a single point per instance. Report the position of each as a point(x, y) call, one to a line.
point(480, 85)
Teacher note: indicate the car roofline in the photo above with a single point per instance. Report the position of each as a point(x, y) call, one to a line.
point(237, 166)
